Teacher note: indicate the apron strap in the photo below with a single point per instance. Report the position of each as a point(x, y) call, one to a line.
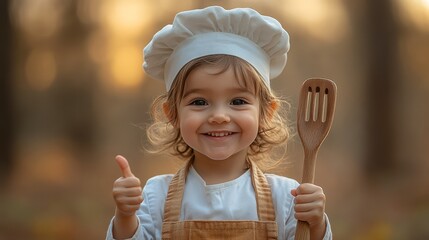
point(264, 201)
point(173, 201)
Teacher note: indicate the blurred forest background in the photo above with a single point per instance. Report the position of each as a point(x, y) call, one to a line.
point(73, 95)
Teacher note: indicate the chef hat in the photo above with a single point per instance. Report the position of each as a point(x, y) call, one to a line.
point(242, 32)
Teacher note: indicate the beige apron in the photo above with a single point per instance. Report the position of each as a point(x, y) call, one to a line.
point(265, 228)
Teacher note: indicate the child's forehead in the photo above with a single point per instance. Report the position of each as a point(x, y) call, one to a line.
point(207, 78)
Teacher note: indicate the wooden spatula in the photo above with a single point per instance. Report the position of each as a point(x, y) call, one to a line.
point(315, 114)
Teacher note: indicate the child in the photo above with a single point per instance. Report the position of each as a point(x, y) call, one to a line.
point(220, 115)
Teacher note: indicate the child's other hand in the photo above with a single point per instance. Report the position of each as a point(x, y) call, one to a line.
point(310, 205)
point(127, 190)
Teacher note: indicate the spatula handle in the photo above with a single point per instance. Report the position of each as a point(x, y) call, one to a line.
point(309, 167)
point(302, 231)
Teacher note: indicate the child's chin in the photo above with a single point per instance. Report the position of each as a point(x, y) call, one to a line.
point(215, 157)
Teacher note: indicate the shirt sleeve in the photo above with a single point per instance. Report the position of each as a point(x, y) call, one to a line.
point(328, 231)
point(137, 235)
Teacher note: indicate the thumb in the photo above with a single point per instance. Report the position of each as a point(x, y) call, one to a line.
point(294, 192)
point(124, 166)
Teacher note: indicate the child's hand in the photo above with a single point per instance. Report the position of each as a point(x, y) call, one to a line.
point(127, 190)
point(310, 206)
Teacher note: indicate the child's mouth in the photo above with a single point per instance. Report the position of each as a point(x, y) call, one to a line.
point(218, 134)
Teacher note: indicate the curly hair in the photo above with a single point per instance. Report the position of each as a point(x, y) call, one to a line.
point(273, 130)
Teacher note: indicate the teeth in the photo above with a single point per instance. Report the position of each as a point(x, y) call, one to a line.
point(219, 134)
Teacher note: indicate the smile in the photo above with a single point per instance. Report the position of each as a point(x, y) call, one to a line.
point(218, 134)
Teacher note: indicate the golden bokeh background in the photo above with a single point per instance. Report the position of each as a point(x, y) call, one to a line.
point(73, 95)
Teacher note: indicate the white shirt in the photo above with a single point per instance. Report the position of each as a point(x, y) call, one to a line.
point(233, 200)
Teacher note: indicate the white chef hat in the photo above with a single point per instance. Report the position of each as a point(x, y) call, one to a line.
point(241, 32)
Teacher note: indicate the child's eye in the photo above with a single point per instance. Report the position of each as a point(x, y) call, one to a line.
point(198, 102)
point(238, 101)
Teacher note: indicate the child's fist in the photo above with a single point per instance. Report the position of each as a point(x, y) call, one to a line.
point(310, 204)
point(127, 191)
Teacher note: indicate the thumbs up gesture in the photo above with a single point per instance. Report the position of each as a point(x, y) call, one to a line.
point(127, 190)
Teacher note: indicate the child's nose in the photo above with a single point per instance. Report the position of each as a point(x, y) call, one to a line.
point(219, 115)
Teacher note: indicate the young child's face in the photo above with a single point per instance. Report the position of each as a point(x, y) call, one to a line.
point(218, 117)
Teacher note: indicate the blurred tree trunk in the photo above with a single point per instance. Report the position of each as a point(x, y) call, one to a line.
point(381, 36)
point(6, 118)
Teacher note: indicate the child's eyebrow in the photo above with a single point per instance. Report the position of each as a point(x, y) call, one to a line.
point(190, 91)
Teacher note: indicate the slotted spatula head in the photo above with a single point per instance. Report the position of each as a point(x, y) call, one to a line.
point(316, 111)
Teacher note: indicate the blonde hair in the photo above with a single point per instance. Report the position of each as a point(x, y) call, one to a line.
point(273, 130)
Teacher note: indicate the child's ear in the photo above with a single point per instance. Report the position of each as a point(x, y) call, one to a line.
point(272, 108)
